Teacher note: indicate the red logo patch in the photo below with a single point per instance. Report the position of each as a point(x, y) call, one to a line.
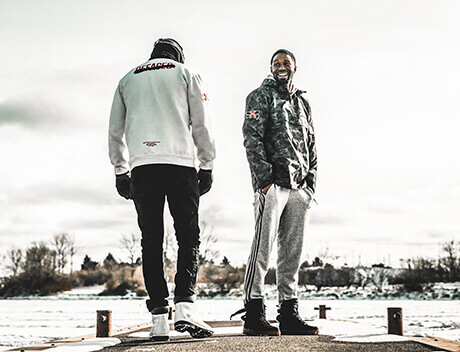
point(151, 143)
point(205, 97)
point(252, 114)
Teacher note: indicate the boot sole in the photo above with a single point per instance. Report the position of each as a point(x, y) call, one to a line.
point(159, 338)
point(295, 332)
point(194, 330)
point(251, 332)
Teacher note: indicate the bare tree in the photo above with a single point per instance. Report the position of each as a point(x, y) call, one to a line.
point(14, 257)
point(39, 260)
point(61, 243)
point(130, 244)
point(451, 261)
point(73, 250)
point(207, 249)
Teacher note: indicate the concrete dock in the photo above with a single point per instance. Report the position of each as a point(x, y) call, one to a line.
point(240, 342)
point(229, 337)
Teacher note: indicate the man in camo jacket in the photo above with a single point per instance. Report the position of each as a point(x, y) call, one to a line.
point(280, 146)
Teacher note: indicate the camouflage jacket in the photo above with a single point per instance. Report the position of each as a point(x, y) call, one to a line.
point(279, 138)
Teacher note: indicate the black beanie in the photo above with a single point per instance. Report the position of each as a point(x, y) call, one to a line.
point(169, 49)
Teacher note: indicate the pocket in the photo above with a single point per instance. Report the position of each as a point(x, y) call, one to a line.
point(271, 188)
point(311, 197)
point(269, 191)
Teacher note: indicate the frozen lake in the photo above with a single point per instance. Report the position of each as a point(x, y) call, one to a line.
point(29, 321)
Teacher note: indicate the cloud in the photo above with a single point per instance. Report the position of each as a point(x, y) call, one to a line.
point(228, 213)
point(32, 114)
point(49, 193)
point(92, 224)
point(388, 205)
point(326, 219)
point(16, 114)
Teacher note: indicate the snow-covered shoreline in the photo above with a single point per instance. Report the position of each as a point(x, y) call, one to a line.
point(433, 291)
point(31, 320)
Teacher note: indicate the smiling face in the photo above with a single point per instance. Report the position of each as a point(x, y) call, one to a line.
point(283, 69)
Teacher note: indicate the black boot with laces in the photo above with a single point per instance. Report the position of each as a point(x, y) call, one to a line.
point(290, 321)
point(255, 323)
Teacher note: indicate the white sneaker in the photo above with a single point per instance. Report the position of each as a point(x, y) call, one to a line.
point(186, 319)
point(160, 327)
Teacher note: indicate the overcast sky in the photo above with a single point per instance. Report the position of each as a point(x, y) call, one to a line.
point(382, 78)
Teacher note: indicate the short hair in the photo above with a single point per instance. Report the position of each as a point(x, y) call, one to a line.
point(283, 51)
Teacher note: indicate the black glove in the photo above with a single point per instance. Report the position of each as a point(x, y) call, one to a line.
point(123, 184)
point(204, 181)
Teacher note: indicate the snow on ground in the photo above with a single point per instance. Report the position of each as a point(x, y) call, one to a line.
point(30, 321)
point(355, 332)
point(87, 345)
point(83, 292)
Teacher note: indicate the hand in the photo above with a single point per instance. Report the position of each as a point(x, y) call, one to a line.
point(204, 181)
point(123, 184)
point(265, 189)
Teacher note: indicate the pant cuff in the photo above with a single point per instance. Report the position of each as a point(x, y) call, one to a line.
point(151, 305)
point(160, 310)
point(179, 299)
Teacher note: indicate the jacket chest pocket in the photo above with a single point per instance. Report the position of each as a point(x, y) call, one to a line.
point(299, 124)
point(305, 125)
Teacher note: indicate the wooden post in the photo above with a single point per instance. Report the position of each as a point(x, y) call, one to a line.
point(322, 311)
point(395, 321)
point(104, 323)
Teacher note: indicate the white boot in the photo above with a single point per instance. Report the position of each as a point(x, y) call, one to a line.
point(160, 327)
point(186, 319)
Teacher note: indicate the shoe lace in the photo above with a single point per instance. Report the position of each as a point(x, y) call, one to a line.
point(296, 315)
point(243, 310)
point(262, 314)
point(293, 309)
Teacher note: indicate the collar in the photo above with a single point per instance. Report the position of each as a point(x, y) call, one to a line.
point(270, 81)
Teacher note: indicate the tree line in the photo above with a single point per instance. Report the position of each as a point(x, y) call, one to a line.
point(44, 268)
point(47, 267)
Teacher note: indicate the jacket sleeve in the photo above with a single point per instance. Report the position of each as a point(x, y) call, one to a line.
point(201, 123)
point(253, 132)
point(311, 176)
point(117, 145)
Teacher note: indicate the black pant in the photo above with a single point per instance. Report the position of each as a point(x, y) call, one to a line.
point(150, 185)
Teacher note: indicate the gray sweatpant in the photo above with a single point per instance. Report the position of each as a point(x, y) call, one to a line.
point(282, 214)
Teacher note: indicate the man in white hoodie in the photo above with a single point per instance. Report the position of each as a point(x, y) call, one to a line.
point(160, 113)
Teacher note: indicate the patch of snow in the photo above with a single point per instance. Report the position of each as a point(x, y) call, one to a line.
point(82, 291)
point(95, 344)
point(349, 331)
point(372, 338)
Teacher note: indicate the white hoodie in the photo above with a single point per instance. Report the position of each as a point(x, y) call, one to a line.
point(162, 111)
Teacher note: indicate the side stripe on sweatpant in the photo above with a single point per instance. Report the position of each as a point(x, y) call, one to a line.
point(280, 215)
point(250, 270)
